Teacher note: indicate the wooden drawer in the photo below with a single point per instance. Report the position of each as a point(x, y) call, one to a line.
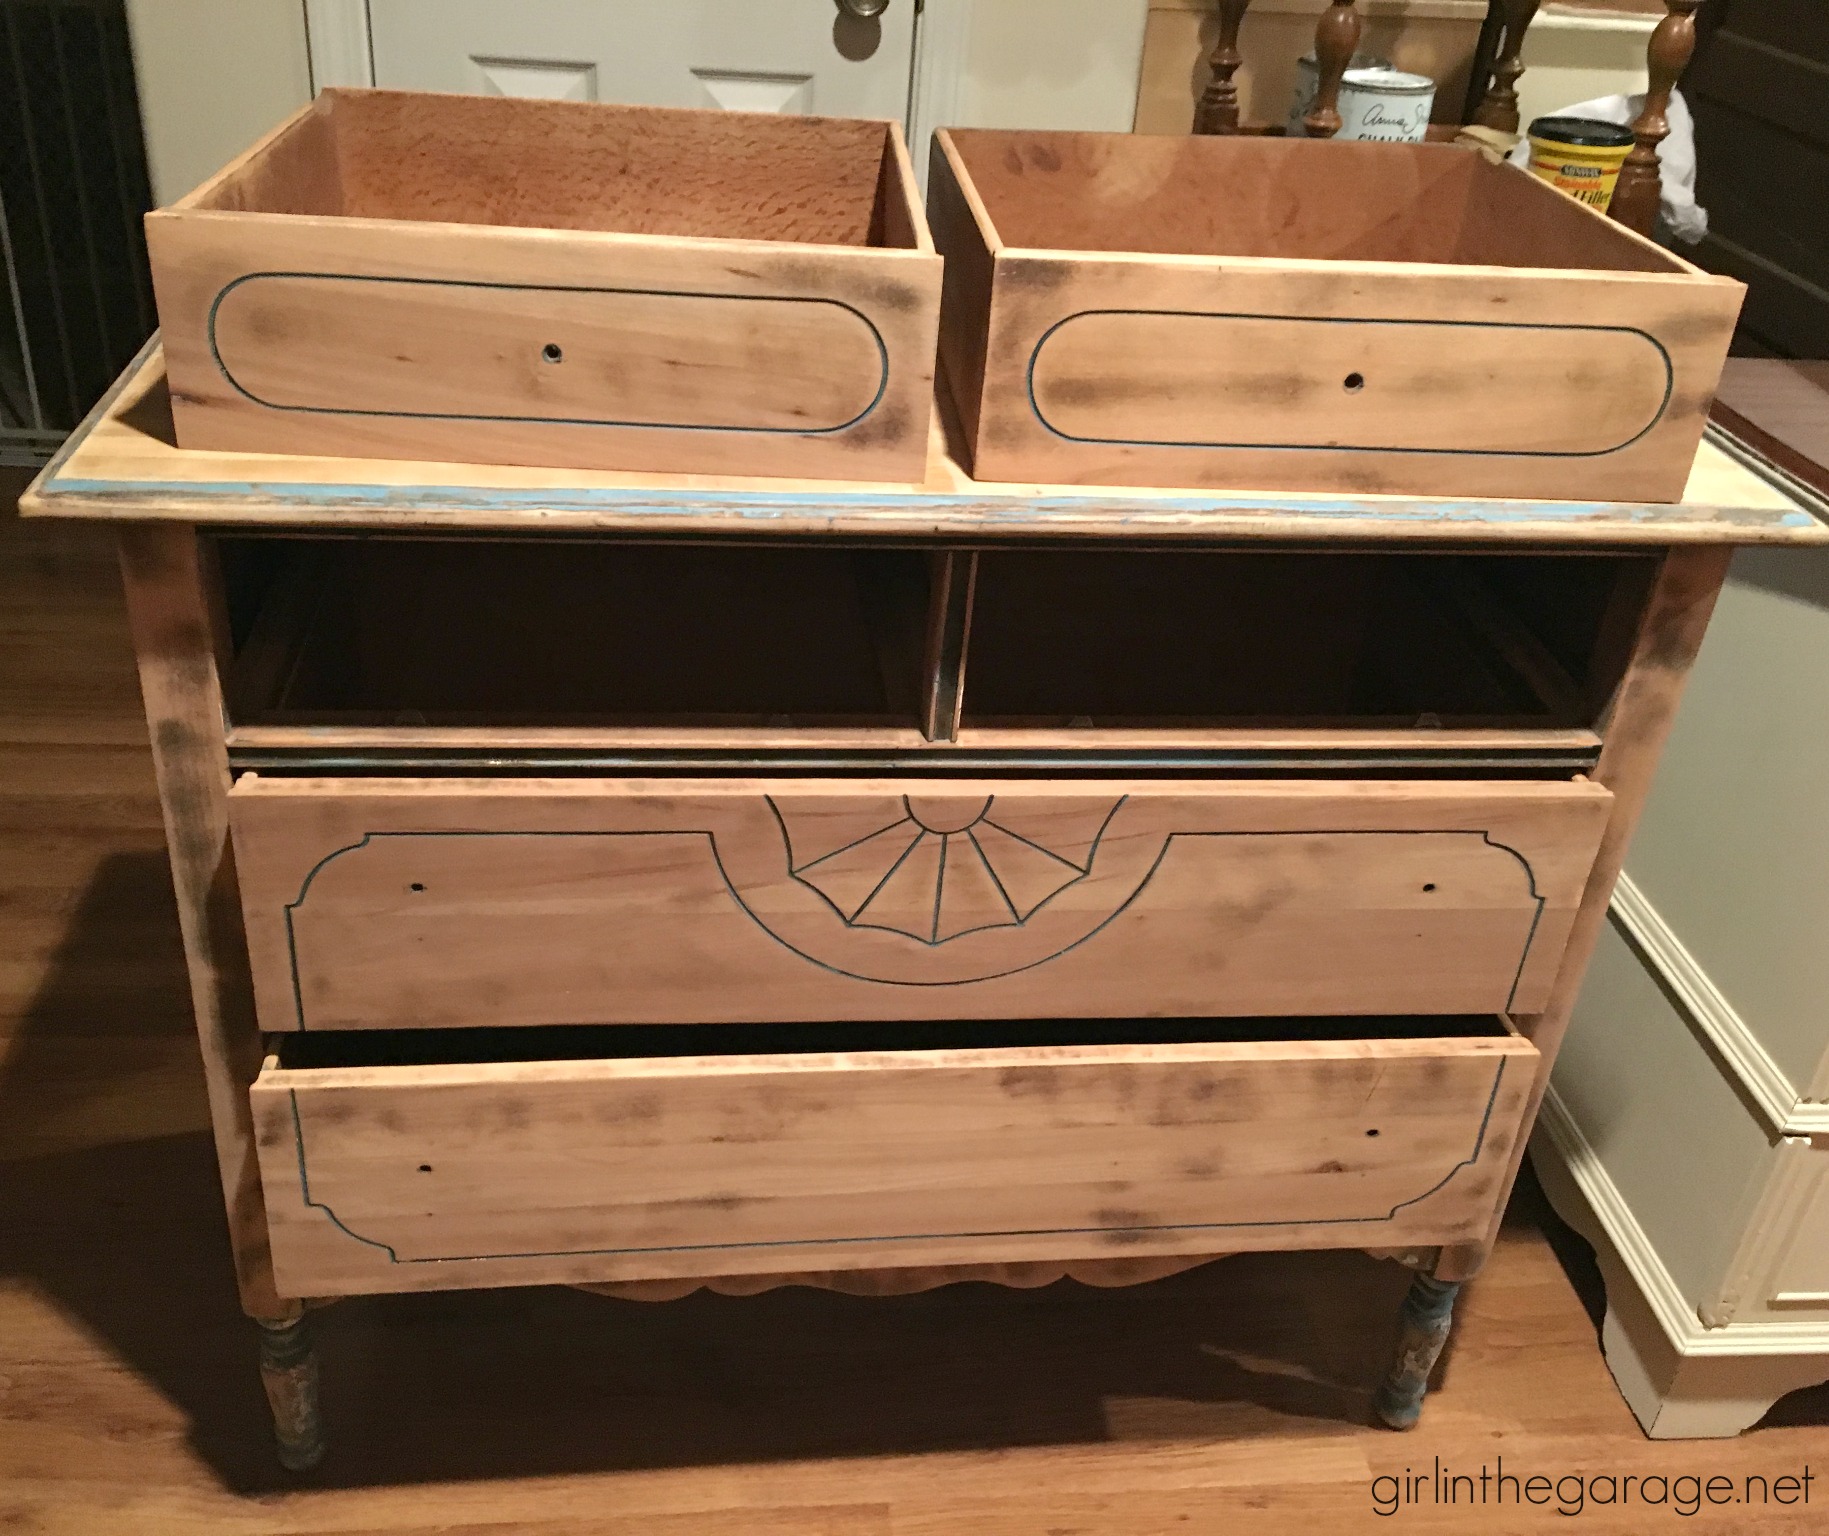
point(1294, 315)
point(399, 275)
point(394, 903)
point(470, 1166)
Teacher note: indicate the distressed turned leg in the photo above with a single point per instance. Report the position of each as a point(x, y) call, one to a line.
point(1428, 1313)
point(289, 1372)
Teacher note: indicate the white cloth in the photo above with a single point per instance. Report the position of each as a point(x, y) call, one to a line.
point(1679, 214)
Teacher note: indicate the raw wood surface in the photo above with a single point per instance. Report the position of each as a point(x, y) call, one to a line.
point(1779, 408)
point(1243, 739)
point(1234, 1397)
point(124, 465)
point(432, 1177)
point(556, 284)
point(1381, 322)
point(376, 903)
point(175, 638)
point(462, 159)
point(1638, 722)
point(511, 346)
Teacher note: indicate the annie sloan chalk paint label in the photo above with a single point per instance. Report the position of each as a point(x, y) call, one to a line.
point(1376, 101)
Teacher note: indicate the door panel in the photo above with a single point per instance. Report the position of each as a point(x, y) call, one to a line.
point(733, 55)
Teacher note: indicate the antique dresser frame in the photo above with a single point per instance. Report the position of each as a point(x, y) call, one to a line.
point(1041, 1094)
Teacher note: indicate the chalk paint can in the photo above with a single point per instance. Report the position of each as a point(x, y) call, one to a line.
point(1580, 156)
point(1376, 101)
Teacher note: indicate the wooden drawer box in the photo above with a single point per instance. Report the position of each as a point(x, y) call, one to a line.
point(1296, 315)
point(400, 903)
point(440, 1161)
point(399, 275)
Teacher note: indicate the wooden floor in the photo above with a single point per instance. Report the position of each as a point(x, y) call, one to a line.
point(1230, 1399)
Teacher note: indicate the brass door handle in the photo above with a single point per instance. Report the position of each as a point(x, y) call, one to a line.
point(864, 10)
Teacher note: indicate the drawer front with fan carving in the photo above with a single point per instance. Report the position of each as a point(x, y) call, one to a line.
point(404, 903)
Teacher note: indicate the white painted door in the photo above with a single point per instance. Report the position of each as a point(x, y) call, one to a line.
point(738, 55)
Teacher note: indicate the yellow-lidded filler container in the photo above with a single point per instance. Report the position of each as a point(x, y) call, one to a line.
point(1580, 156)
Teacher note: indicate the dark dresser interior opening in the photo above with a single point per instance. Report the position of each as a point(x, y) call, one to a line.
point(587, 1042)
point(1121, 640)
point(403, 633)
point(406, 632)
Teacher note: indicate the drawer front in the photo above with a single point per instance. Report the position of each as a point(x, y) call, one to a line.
point(427, 1177)
point(1179, 380)
point(403, 903)
point(1444, 382)
point(546, 354)
point(569, 349)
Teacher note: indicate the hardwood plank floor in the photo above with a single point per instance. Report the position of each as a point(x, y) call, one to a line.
point(1231, 1399)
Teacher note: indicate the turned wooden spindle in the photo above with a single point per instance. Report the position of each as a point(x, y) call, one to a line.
point(289, 1371)
point(1499, 106)
point(1218, 108)
point(1636, 197)
point(1336, 41)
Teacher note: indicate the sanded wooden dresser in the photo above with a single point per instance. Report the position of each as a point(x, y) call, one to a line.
point(644, 883)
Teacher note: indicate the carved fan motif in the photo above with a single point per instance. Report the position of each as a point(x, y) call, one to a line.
point(941, 870)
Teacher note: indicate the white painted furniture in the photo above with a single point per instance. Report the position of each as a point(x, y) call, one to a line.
point(1686, 1132)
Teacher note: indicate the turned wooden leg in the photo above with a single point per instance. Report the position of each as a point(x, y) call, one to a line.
point(1218, 108)
point(1499, 106)
point(1336, 40)
point(1640, 187)
point(289, 1372)
point(1428, 1313)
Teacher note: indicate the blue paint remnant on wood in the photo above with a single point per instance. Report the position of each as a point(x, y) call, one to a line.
point(768, 505)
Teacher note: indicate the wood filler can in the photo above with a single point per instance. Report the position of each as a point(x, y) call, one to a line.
point(1580, 156)
point(1376, 101)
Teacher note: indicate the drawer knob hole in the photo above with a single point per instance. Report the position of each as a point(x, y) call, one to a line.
point(552, 352)
point(416, 886)
point(1372, 1133)
point(427, 1167)
point(1427, 886)
point(1354, 383)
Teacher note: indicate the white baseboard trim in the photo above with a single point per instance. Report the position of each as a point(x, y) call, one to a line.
point(1560, 1137)
point(1707, 1010)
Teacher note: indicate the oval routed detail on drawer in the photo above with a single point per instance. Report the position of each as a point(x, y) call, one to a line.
point(576, 356)
point(408, 903)
point(1193, 380)
point(404, 1177)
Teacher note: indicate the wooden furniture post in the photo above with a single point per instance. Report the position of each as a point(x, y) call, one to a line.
point(178, 639)
point(289, 1372)
point(1217, 111)
point(1636, 726)
point(1427, 1319)
point(1635, 199)
point(1499, 106)
point(1336, 41)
